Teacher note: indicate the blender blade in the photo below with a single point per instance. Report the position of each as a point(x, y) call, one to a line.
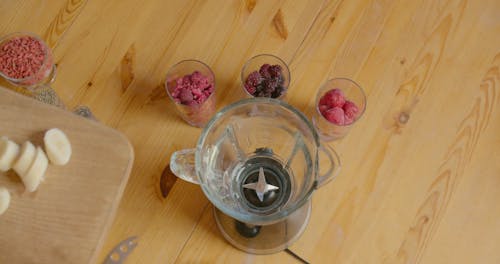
point(261, 187)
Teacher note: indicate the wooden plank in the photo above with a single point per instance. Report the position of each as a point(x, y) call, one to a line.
point(411, 57)
point(468, 217)
point(206, 245)
point(381, 177)
point(144, 103)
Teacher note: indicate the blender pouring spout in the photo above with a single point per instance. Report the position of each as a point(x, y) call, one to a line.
point(182, 165)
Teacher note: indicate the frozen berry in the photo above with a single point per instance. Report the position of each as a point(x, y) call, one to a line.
point(250, 89)
point(260, 94)
point(322, 108)
point(264, 71)
point(253, 79)
point(208, 90)
point(273, 83)
point(335, 115)
point(267, 82)
point(192, 89)
point(186, 80)
point(269, 90)
point(348, 120)
point(278, 92)
point(351, 110)
point(324, 101)
point(334, 98)
point(196, 93)
point(275, 71)
point(186, 96)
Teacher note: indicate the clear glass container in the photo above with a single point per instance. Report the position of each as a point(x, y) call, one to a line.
point(196, 115)
point(255, 63)
point(38, 85)
point(45, 74)
point(353, 92)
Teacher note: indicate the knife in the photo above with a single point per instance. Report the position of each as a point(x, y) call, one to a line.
point(120, 252)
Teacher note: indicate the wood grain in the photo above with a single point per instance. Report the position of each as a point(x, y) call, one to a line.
point(280, 25)
point(452, 169)
point(419, 176)
point(67, 218)
point(63, 21)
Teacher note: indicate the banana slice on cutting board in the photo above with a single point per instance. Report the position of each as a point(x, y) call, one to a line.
point(36, 173)
point(4, 200)
point(8, 153)
point(30, 162)
point(57, 146)
point(26, 157)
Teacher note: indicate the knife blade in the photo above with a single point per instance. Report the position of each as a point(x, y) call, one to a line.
point(121, 251)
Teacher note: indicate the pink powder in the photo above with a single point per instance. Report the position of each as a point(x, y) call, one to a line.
point(23, 57)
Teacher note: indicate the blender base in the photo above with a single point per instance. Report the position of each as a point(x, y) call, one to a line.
point(270, 238)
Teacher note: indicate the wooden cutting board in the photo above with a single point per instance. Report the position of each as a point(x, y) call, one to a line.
point(67, 218)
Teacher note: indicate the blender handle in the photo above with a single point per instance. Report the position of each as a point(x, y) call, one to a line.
point(334, 169)
point(183, 166)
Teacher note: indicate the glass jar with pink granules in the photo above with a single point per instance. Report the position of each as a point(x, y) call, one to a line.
point(191, 86)
point(26, 60)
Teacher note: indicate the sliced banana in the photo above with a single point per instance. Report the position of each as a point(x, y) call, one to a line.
point(4, 200)
point(26, 158)
point(57, 146)
point(36, 172)
point(8, 153)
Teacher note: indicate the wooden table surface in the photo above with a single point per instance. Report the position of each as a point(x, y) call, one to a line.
point(421, 171)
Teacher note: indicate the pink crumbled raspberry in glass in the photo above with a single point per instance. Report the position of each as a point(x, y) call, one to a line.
point(25, 60)
point(190, 85)
point(336, 109)
point(192, 89)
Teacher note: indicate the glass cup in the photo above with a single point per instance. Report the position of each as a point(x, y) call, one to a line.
point(196, 114)
point(254, 64)
point(44, 75)
point(353, 92)
point(37, 84)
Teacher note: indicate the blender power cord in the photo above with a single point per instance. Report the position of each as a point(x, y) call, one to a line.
point(296, 256)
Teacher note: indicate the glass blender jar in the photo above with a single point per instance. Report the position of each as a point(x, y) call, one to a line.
point(257, 161)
